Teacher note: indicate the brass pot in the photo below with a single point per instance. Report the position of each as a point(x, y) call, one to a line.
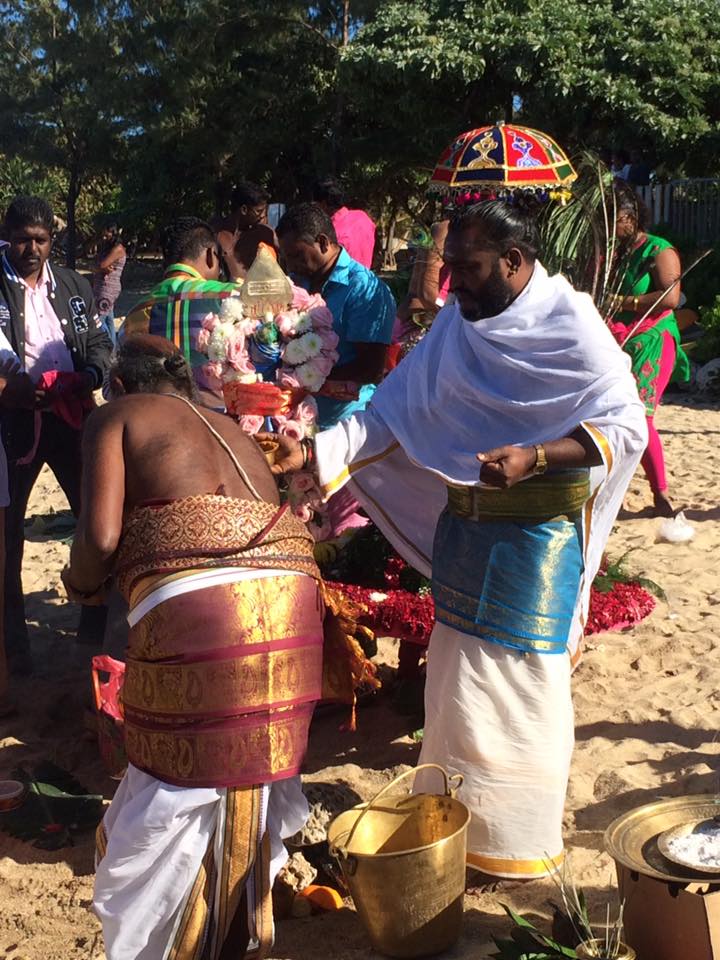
point(404, 864)
point(592, 950)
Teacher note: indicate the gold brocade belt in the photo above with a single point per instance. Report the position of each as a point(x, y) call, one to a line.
point(550, 496)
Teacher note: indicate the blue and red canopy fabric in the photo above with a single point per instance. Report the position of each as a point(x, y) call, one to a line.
point(498, 159)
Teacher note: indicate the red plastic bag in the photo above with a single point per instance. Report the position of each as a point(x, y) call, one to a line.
point(108, 704)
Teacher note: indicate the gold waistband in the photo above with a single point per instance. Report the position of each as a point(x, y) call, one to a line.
point(547, 497)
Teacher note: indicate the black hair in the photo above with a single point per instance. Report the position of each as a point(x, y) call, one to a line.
point(185, 239)
point(306, 221)
point(627, 201)
point(248, 194)
point(330, 191)
point(29, 211)
point(143, 361)
point(114, 229)
point(504, 224)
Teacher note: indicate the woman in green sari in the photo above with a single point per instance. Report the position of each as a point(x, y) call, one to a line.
point(653, 341)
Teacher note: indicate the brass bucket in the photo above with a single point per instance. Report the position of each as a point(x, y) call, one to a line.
point(404, 863)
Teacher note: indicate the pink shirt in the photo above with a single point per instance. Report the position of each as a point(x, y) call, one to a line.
point(356, 232)
point(45, 347)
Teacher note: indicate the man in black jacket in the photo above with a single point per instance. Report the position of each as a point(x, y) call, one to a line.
point(49, 317)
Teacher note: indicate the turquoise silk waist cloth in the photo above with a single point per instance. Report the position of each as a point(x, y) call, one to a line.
point(507, 564)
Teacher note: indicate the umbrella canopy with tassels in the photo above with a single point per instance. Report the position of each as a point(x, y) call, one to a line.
point(497, 160)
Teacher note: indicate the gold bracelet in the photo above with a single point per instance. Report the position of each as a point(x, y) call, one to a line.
point(541, 463)
point(636, 303)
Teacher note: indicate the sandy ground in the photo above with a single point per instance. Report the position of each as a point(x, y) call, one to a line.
point(646, 703)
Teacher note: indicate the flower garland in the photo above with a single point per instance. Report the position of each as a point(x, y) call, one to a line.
point(409, 617)
point(269, 366)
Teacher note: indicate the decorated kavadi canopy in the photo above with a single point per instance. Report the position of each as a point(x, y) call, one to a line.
point(493, 161)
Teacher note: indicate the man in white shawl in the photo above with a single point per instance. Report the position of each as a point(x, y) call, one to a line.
point(495, 459)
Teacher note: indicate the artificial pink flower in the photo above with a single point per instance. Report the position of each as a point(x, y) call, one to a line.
point(323, 364)
point(303, 512)
point(301, 299)
point(287, 380)
point(210, 322)
point(322, 318)
point(251, 424)
point(329, 339)
point(212, 372)
point(203, 340)
point(314, 302)
point(237, 354)
point(306, 413)
point(291, 428)
point(287, 323)
point(300, 483)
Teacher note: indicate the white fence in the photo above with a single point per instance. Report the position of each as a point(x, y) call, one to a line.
point(691, 207)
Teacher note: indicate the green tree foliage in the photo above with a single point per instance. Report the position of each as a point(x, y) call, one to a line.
point(592, 72)
point(159, 106)
point(64, 81)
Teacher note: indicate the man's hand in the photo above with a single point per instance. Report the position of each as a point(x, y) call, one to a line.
point(289, 458)
point(84, 386)
point(96, 599)
point(81, 385)
point(506, 466)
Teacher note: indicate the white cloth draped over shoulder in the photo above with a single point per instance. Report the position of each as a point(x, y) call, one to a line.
point(536, 372)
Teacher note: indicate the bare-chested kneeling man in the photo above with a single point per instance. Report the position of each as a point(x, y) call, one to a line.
point(223, 663)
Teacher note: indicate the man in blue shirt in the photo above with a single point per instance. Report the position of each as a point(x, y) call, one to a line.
point(362, 305)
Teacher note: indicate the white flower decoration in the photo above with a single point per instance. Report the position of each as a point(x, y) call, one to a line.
point(295, 352)
point(312, 344)
point(309, 377)
point(304, 324)
point(231, 309)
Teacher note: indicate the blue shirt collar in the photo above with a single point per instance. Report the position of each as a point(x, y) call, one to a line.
point(341, 271)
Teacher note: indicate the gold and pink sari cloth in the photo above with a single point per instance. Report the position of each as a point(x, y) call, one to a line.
point(224, 666)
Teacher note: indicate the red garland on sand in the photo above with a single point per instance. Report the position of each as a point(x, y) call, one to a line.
point(624, 606)
point(410, 616)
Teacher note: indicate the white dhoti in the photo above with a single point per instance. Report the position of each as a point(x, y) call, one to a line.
point(504, 720)
point(160, 844)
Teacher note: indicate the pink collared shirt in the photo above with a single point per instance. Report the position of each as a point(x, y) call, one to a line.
point(45, 347)
point(356, 232)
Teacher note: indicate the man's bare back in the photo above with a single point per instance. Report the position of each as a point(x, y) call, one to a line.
point(167, 452)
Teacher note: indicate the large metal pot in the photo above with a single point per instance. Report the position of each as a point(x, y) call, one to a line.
point(404, 864)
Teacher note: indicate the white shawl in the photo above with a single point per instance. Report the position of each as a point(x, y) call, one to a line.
point(534, 373)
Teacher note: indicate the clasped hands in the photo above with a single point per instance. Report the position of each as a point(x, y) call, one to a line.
point(502, 467)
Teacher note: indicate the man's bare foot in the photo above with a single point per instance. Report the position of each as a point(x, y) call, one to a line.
point(477, 883)
point(662, 507)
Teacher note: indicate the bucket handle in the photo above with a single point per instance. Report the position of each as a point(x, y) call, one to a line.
point(450, 791)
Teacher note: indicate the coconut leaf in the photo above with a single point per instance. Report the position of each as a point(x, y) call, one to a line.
point(578, 239)
point(528, 943)
point(615, 571)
